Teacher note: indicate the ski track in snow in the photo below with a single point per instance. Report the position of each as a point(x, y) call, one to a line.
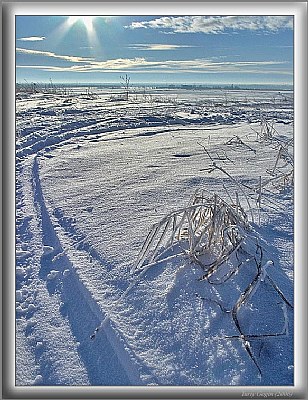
point(81, 309)
point(70, 273)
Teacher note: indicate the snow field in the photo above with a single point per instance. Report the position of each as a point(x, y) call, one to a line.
point(104, 172)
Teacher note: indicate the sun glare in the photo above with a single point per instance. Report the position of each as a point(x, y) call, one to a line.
point(84, 24)
point(86, 20)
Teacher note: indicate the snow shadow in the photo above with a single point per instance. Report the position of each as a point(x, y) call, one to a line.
point(77, 305)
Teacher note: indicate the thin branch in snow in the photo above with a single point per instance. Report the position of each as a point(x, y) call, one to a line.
point(207, 152)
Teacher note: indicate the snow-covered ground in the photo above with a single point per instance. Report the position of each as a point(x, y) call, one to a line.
point(94, 173)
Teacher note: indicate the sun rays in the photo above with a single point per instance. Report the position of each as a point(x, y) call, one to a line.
point(86, 20)
point(85, 25)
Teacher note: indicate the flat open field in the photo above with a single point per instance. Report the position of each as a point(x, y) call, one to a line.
point(121, 208)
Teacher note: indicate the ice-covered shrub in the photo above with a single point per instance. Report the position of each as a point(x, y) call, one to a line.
point(208, 224)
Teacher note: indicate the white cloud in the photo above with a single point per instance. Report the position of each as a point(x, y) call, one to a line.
point(53, 55)
point(172, 66)
point(159, 47)
point(140, 64)
point(157, 70)
point(217, 24)
point(32, 38)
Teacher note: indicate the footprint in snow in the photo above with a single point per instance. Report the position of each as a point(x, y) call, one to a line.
point(48, 250)
point(52, 275)
point(38, 380)
point(66, 272)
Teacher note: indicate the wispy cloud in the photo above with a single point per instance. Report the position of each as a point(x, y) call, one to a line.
point(75, 59)
point(142, 65)
point(159, 47)
point(85, 69)
point(216, 24)
point(32, 39)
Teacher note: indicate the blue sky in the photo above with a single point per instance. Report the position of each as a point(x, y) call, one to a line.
point(155, 49)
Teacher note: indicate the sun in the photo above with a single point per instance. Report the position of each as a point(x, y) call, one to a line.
point(87, 20)
point(86, 23)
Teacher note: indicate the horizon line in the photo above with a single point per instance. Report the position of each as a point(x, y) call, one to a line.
point(154, 83)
